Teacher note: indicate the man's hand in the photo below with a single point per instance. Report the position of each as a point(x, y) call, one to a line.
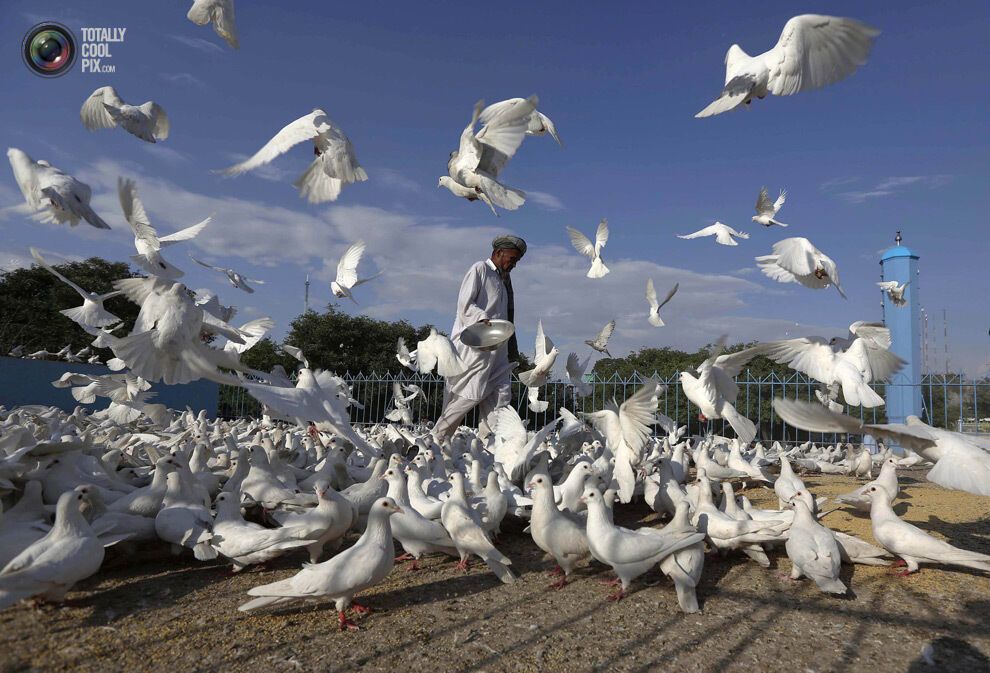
point(486, 321)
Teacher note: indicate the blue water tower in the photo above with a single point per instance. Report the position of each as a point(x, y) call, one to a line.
point(903, 390)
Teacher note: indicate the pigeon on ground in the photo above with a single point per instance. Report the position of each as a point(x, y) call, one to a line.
point(104, 109)
point(685, 565)
point(183, 521)
point(51, 195)
point(630, 553)
point(558, 533)
point(813, 51)
point(911, 543)
point(335, 166)
point(49, 568)
point(813, 549)
point(218, 12)
point(325, 524)
point(417, 534)
point(353, 570)
point(464, 527)
point(91, 313)
point(766, 210)
point(723, 234)
point(592, 251)
point(347, 278)
point(796, 260)
point(246, 543)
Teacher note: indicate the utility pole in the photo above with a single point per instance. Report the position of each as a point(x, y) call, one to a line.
point(306, 299)
point(945, 339)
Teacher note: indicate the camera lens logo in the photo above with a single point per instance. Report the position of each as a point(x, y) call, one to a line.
point(49, 49)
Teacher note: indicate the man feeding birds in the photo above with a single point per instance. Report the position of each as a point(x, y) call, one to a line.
point(485, 295)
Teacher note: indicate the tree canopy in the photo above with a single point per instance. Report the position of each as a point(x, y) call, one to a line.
point(30, 301)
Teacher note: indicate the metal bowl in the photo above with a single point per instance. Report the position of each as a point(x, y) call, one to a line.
point(487, 337)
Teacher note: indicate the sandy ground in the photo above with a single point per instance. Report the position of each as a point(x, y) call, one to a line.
point(151, 613)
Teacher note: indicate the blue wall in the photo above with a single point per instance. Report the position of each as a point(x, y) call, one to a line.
point(30, 382)
point(903, 394)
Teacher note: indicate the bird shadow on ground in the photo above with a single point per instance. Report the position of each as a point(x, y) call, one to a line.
point(969, 535)
point(950, 655)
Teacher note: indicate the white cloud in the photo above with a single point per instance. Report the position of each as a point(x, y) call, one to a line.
point(198, 43)
point(183, 78)
point(545, 200)
point(167, 154)
point(895, 184)
point(394, 180)
point(423, 260)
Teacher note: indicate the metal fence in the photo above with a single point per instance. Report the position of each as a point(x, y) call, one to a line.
point(950, 401)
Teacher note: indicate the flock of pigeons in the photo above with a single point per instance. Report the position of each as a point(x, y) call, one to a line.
point(248, 491)
point(303, 476)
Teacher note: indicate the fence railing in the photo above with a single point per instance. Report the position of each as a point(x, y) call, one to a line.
point(949, 401)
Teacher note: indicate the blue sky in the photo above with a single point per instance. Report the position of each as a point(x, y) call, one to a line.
point(901, 145)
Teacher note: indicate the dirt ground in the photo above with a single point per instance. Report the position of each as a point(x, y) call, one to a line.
point(149, 612)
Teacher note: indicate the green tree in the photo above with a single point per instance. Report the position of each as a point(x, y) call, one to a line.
point(30, 301)
point(343, 343)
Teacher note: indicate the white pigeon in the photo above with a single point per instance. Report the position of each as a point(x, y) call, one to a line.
point(437, 351)
point(575, 375)
point(813, 51)
point(852, 368)
point(49, 567)
point(655, 306)
point(165, 344)
point(251, 332)
point(353, 570)
point(539, 124)
point(536, 405)
point(960, 463)
point(558, 533)
point(473, 169)
point(684, 567)
point(236, 279)
point(347, 277)
point(600, 342)
point(514, 448)
point(626, 429)
point(911, 543)
point(335, 165)
point(146, 239)
point(210, 303)
point(218, 12)
point(465, 530)
point(723, 234)
point(766, 210)
point(813, 550)
point(246, 543)
point(51, 195)
point(104, 109)
point(402, 413)
point(630, 553)
point(592, 251)
point(796, 260)
point(543, 360)
point(91, 313)
point(895, 291)
point(404, 356)
point(714, 391)
point(184, 521)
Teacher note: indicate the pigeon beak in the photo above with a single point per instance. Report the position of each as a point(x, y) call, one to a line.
point(583, 499)
point(531, 485)
point(398, 510)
